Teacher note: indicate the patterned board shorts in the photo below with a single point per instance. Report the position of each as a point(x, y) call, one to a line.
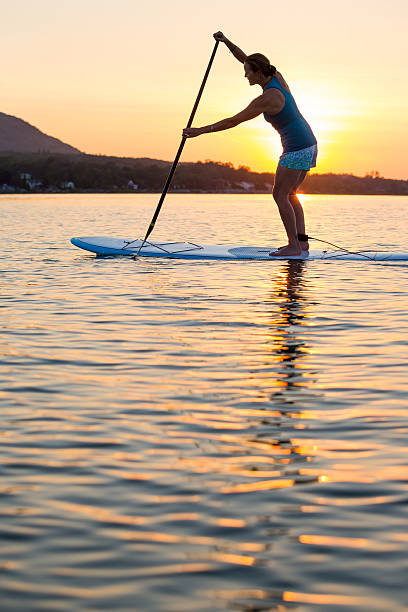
point(299, 160)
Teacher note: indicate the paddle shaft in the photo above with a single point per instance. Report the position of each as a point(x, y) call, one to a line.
point(183, 140)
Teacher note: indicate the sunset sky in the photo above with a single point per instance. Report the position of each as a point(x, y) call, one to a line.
point(119, 77)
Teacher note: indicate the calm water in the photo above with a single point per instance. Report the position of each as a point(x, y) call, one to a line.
point(202, 436)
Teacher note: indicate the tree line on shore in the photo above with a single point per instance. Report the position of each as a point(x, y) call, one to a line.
point(54, 172)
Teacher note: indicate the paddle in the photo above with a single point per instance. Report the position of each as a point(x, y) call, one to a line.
point(183, 140)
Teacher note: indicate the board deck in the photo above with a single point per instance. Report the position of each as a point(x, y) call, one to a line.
point(189, 250)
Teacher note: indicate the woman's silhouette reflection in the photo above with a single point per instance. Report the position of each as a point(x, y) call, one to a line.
point(290, 386)
point(288, 343)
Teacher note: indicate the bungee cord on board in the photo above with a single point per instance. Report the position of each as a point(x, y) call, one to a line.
point(343, 249)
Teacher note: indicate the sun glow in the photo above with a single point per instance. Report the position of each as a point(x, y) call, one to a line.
point(335, 115)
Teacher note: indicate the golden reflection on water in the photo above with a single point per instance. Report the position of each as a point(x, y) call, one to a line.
point(288, 346)
point(328, 599)
point(288, 382)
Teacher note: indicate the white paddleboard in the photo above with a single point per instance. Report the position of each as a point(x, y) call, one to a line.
point(190, 250)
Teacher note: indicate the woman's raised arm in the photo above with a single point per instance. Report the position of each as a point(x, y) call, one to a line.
point(236, 51)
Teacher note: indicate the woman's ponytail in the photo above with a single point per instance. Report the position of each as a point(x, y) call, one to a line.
point(272, 70)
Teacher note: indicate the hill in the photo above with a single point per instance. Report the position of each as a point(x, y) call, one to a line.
point(19, 136)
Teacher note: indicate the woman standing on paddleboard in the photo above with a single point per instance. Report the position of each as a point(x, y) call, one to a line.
point(299, 143)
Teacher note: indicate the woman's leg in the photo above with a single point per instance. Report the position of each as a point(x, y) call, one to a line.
point(284, 192)
point(298, 210)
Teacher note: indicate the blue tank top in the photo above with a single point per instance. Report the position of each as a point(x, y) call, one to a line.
point(294, 130)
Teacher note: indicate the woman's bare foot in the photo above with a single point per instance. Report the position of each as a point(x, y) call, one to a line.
point(304, 245)
point(289, 250)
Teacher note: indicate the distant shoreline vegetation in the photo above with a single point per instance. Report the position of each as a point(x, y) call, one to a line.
point(66, 173)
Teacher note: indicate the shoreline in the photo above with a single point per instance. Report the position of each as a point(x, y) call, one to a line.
point(187, 192)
